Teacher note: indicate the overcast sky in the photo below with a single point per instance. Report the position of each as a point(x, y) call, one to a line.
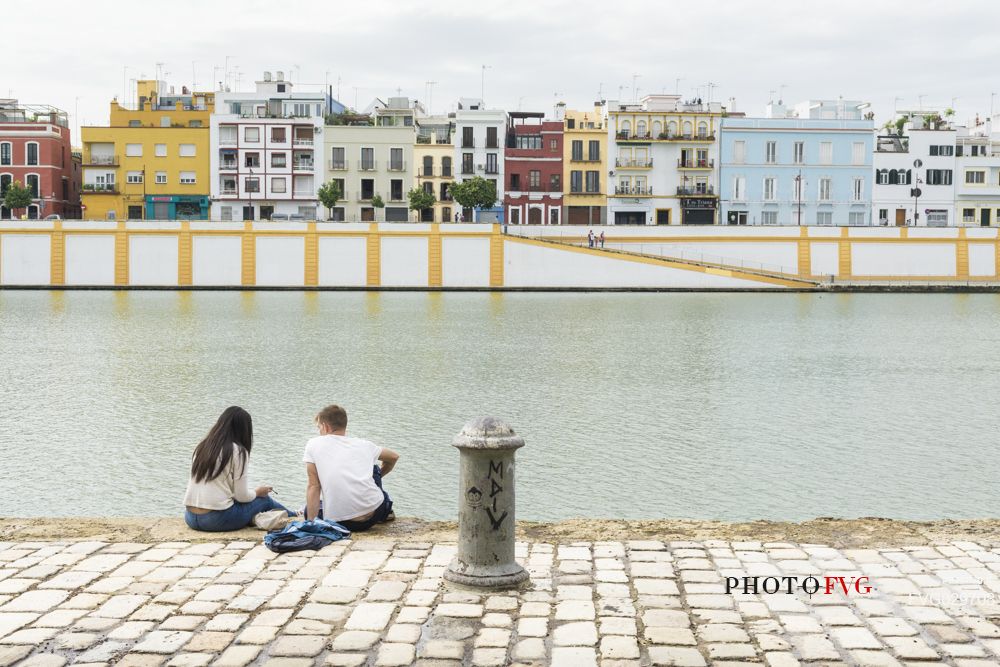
point(72, 54)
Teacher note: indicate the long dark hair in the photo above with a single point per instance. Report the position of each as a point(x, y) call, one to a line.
point(213, 454)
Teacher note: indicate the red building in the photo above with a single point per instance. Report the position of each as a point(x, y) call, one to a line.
point(35, 149)
point(533, 167)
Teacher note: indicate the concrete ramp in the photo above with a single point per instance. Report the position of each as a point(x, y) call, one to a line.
point(542, 263)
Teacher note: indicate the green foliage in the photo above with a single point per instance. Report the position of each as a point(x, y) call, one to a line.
point(900, 122)
point(420, 200)
point(378, 202)
point(329, 194)
point(17, 196)
point(949, 112)
point(475, 192)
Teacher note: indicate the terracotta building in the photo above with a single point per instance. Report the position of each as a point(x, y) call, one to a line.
point(533, 169)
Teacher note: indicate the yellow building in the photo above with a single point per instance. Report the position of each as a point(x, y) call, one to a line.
point(585, 167)
point(433, 154)
point(151, 161)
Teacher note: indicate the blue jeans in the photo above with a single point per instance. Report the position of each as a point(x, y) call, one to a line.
point(381, 512)
point(240, 515)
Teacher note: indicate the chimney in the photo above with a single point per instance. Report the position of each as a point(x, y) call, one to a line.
point(267, 76)
point(281, 76)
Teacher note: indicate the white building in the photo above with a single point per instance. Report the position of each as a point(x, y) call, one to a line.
point(263, 152)
point(920, 162)
point(977, 176)
point(665, 154)
point(479, 150)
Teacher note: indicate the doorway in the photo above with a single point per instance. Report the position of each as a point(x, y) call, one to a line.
point(266, 212)
point(900, 217)
point(630, 218)
point(248, 213)
point(534, 216)
point(984, 217)
point(663, 216)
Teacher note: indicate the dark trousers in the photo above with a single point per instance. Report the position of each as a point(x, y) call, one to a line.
point(380, 514)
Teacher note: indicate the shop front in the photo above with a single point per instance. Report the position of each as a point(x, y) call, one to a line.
point(176, 207)
point(698, 210)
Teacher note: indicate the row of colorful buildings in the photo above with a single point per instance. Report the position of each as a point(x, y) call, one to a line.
point(661, 160)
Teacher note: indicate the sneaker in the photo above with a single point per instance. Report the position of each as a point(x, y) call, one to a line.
point(391, 516)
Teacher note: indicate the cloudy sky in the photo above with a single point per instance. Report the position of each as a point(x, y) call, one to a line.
point(79, 55)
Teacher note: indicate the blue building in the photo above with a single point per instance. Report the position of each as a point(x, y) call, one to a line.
point(807, 166)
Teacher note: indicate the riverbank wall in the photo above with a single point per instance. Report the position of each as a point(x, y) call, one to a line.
point(310, 255)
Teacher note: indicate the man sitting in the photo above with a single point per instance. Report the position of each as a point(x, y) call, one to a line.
point(345, 472)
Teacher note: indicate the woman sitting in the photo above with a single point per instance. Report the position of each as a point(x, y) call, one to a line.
point(217, 497)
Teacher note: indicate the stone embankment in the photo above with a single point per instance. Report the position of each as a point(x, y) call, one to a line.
point(138, 592)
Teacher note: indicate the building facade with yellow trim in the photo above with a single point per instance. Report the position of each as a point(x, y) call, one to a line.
point(585, 167)
point(151, 161)
point(664, 164)
point(433, 156)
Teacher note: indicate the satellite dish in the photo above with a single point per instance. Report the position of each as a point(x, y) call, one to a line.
point(918, 164)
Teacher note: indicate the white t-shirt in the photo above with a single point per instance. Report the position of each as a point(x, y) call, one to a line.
point(344, 466)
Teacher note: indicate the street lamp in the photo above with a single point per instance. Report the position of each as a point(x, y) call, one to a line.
point(916, 192)
point(798, 196)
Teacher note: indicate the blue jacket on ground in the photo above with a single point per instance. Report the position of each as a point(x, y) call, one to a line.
point(301, 535)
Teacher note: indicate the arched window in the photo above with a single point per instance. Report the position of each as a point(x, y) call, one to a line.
point(446, 166)
point(428, 166)
point(5, 181)
point(672, 129)
point(31, 153)
point(626, 127)
point(687, 128)
point(903, 176)
point(657, 129)
point(640, 128)
point(893, 177)
point(909, 174)
point(702, 129)
point(33, 212)
point(31, 182)
point(6, 156)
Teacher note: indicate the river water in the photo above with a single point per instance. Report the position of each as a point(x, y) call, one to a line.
point(725, 406)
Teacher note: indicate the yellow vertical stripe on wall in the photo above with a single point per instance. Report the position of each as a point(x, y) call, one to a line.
point(57, 256)
point(184, 277)
point(121, 255)
point(805, 253)
point(311, 277)
point(249, 276)
point(434, 257)
point(844, 247)
point(496, 257)
point(904, 232)
point(996, 259)
point(962, 255)
point(374, 258)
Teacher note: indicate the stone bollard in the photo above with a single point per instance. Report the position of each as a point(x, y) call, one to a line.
point(485, 557)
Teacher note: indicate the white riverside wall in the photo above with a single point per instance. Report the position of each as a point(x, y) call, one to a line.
point(408, 255)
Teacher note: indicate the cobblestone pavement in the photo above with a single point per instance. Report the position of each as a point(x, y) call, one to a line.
point(378, 601)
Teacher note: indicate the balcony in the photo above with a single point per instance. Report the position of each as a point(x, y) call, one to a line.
point(634, 191)
point(366, 195)
point(633, 136)
point(338, 165)
point(697, 191)
point(425, 172)
point(468, 169)
point(581, 158)
point(101, 161)
point(492, 144)
point(492, 169)
point(368, 166)
point(397, 166)
point(226, 141)
point(695, 164)
point(302, 141)
point(228, 191)
point(642, 163)
point(468, 144)
point(100, 188)
point(397, 197)
point(302, 165)
point(228, 165)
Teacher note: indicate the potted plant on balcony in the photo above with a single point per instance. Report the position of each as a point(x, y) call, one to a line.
point(329, 194)
point(17, 197)
point(378, 204)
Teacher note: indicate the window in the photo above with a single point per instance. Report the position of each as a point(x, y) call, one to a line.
point(491, 163)
point(799, 152)
point(31, 153)
point(443, 194)
point(515, 182)
point(5, 181)
point(194, 123)
point(226, 213)
point(396, 159)
point(251, 134)
point(883, 216)
point(491, 137)
point(527, 142)
point(594, 150)
point(252, 160)
point(939, 177)
point(446, 166)
point(856, 218)
point(593, 181)
point(554, 183)
point(657, 129)
point(337, 160)
point(279, 185)
point(534, 179)
point(769, 218)
point(251, 184)
point(576, 181)
point(882, 177)
point(227, 134)
point(770, 190)
point(279, 160)
point(228, 185)
point(164, 121)
point(187, 150)
point(739, 188)
point(577, 148)
point(161, 178)
point(858, 152)
point(771, 152)
point(858, 191)
point(826, 152)
point(702, 129)
point(553, 145)
point(739, 151)
point(31, 182)
point(626, 127)
point(466, 163)
point(467, 141)
point(797, 184)
point(825, 188)
point(133, 150)
point(5, 153)
point(515, 216)
point(279, 135)
point(396, 189)
point(975, 177)
point(160, 150)
point(640, 128)
point(824, 218)
point(187, 177)
point(133, 177)
point(968, 215)
point(367, 159)
point(945, 151)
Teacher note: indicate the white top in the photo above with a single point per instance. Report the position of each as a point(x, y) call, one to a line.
point(221, 492)
point(344, 466)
